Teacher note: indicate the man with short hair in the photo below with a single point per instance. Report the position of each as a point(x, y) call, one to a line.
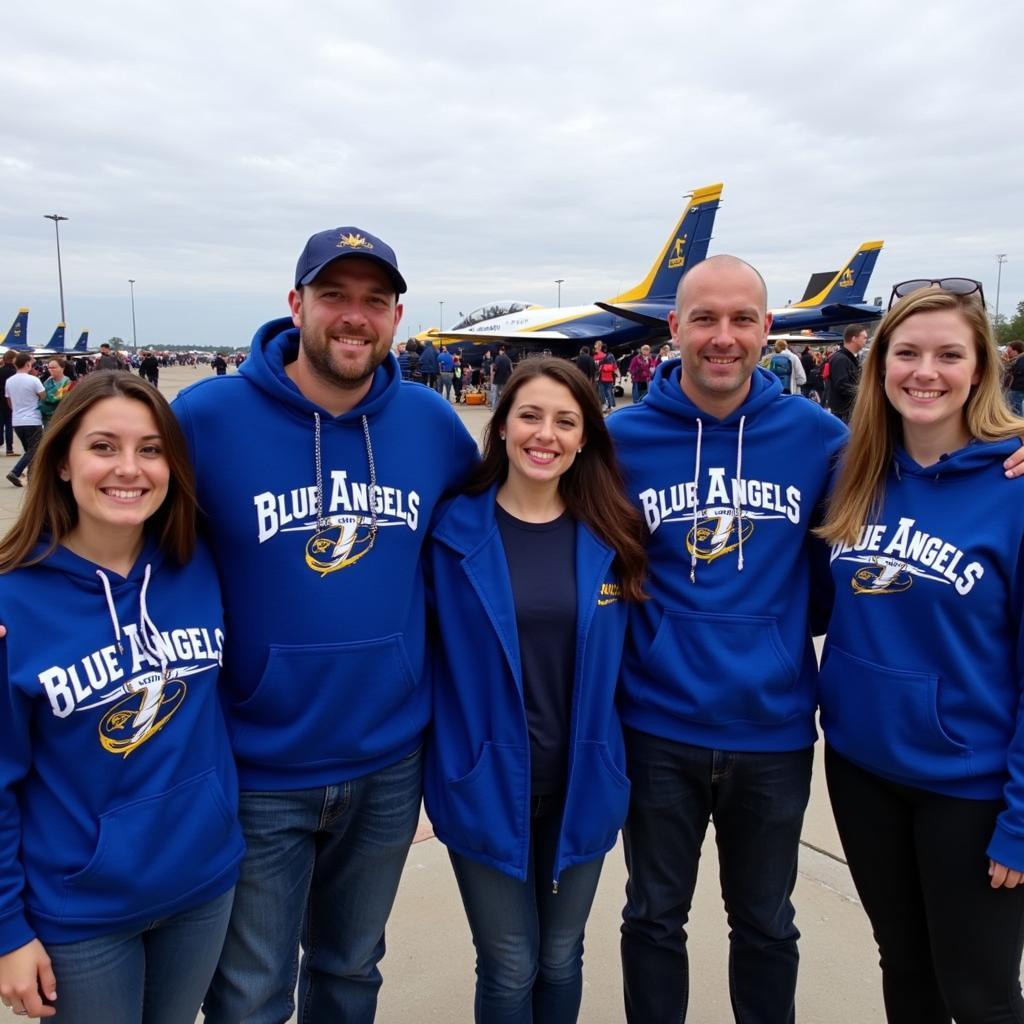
point(57, 385)
point(500, 374)
point(585, 363)
point(1015, 369)
point(108, 360)
point(23, 391)
point(844, 371)
point(717, 692)
point(317, 532)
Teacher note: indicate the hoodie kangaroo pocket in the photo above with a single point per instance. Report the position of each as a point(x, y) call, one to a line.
point(719, 669)
point(887, 719)
point(324, 703)
point(153, 852)
point(486, 804)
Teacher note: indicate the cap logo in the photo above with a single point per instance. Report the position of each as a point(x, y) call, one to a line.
point(351, 241)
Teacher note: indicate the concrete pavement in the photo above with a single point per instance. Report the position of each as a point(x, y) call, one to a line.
point(428, 970)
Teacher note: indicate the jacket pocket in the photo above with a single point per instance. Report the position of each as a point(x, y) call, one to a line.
point(486, 806)
point(596, 804)
point(153, 852)
point(322, 703)
point(887, 719)
point(720, 668)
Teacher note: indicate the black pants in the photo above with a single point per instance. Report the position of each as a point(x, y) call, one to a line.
point(950, 944)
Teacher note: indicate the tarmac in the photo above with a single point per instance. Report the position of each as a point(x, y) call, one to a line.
point(428, 969)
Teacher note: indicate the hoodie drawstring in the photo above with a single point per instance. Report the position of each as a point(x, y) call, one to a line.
point(148, 634)
point(696, 486)
point(321, 522)
point(111, 609)
point(737, 506)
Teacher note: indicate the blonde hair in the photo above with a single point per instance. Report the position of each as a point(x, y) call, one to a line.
point(780, 345)
point(876, 427)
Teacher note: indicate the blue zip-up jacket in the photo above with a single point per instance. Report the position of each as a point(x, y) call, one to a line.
point(477, 768)
point(118, 792)
point(323, 666)
point(445, 362)
point(922, 675)
point(721, 656)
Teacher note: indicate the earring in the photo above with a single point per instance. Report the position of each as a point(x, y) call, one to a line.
point(579, 451)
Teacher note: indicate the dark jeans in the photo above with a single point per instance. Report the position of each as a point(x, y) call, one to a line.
point(757, 802)
point(7, 428)
point(29, 438)
point(950, 944)
point(529, 939)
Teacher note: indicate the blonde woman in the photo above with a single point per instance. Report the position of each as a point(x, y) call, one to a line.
point(921, 680)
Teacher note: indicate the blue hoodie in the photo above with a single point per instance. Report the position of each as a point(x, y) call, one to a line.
point(323, 665)
point(428, 358)
point(721, 656)
point(922, 673)
point(477, 768)
point(118, 792)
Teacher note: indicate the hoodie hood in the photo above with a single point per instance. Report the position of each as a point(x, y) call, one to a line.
point(976, 457)
point(666, 394)
point(276, 344)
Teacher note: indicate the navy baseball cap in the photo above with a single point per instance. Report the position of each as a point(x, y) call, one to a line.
point(335, 244)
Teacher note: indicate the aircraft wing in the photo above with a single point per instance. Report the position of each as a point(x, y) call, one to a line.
point(650, 314)
point(566, 332)
point(850, 312)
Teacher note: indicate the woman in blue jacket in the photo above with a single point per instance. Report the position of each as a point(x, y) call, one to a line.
point(524, 769)
point(923, 673)
point(119, 840)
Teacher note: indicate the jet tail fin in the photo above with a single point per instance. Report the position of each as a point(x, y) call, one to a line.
point(82, 344)
point(17, 336)
point(687, 245)
point(56, 342)
point(848, 285)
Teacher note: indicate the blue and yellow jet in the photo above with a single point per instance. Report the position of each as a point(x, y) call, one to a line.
point(562, 330)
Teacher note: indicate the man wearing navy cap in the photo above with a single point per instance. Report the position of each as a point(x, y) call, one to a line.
point(317, 531)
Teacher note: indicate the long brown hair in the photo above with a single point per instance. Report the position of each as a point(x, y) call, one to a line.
point(592, 487)
point(49, 509)
point(876, 428)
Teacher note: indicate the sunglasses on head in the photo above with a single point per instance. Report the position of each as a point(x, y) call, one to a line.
point(953, 285)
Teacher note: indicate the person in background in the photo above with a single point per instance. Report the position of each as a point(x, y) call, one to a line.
point(500, 374)
point(57, 385)
point(844, 371)
point(792, 376)
point(922, 675)
point(641, 370)
point(537, 560)
point(1015, 374)
point(7, 371)
point(446, 371)
point(119, 835)
point(23, 391)
point(219, 365)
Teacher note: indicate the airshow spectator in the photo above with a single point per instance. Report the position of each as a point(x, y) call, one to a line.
point(585, 364)
point(219, 364)
point(1015, 369)
point(429, 365)
point(500, 374)
point(7, 423)
point(641, 370)
point(23, 391)
point(607, 373)
point(793, 377)
point(446, 370)
point(844, 371)
point(149, 368)
point(108, 360)
point(57, 385)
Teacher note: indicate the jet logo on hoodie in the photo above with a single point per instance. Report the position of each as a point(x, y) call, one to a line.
point(890, 564)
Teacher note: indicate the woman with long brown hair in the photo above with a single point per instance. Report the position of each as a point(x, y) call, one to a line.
point(537, 560)
point(923, 671)
point(119, 839)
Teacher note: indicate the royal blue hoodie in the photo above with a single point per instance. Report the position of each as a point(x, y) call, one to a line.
point(118, 792)
point(477, 768)
point(721, 656)
point(325, 603)
point(922, 672)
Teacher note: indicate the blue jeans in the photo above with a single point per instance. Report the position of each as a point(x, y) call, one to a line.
point(29, 438)
point(529, 939)
point(607, 394)
point(1016, 401)
point(322, 868)
point(757, 802)
point(157, 972)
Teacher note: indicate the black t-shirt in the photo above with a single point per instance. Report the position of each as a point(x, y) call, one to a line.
point(542, 565)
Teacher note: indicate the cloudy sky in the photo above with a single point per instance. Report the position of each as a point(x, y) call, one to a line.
point(194, 147)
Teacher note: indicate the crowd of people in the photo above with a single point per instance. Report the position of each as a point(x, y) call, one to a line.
point(210, 779)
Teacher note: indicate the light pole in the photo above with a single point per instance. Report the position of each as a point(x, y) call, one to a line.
point(559, 281)
point(56, 218)
point(131, 286)
point(440, 329)
point(1000, 260)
